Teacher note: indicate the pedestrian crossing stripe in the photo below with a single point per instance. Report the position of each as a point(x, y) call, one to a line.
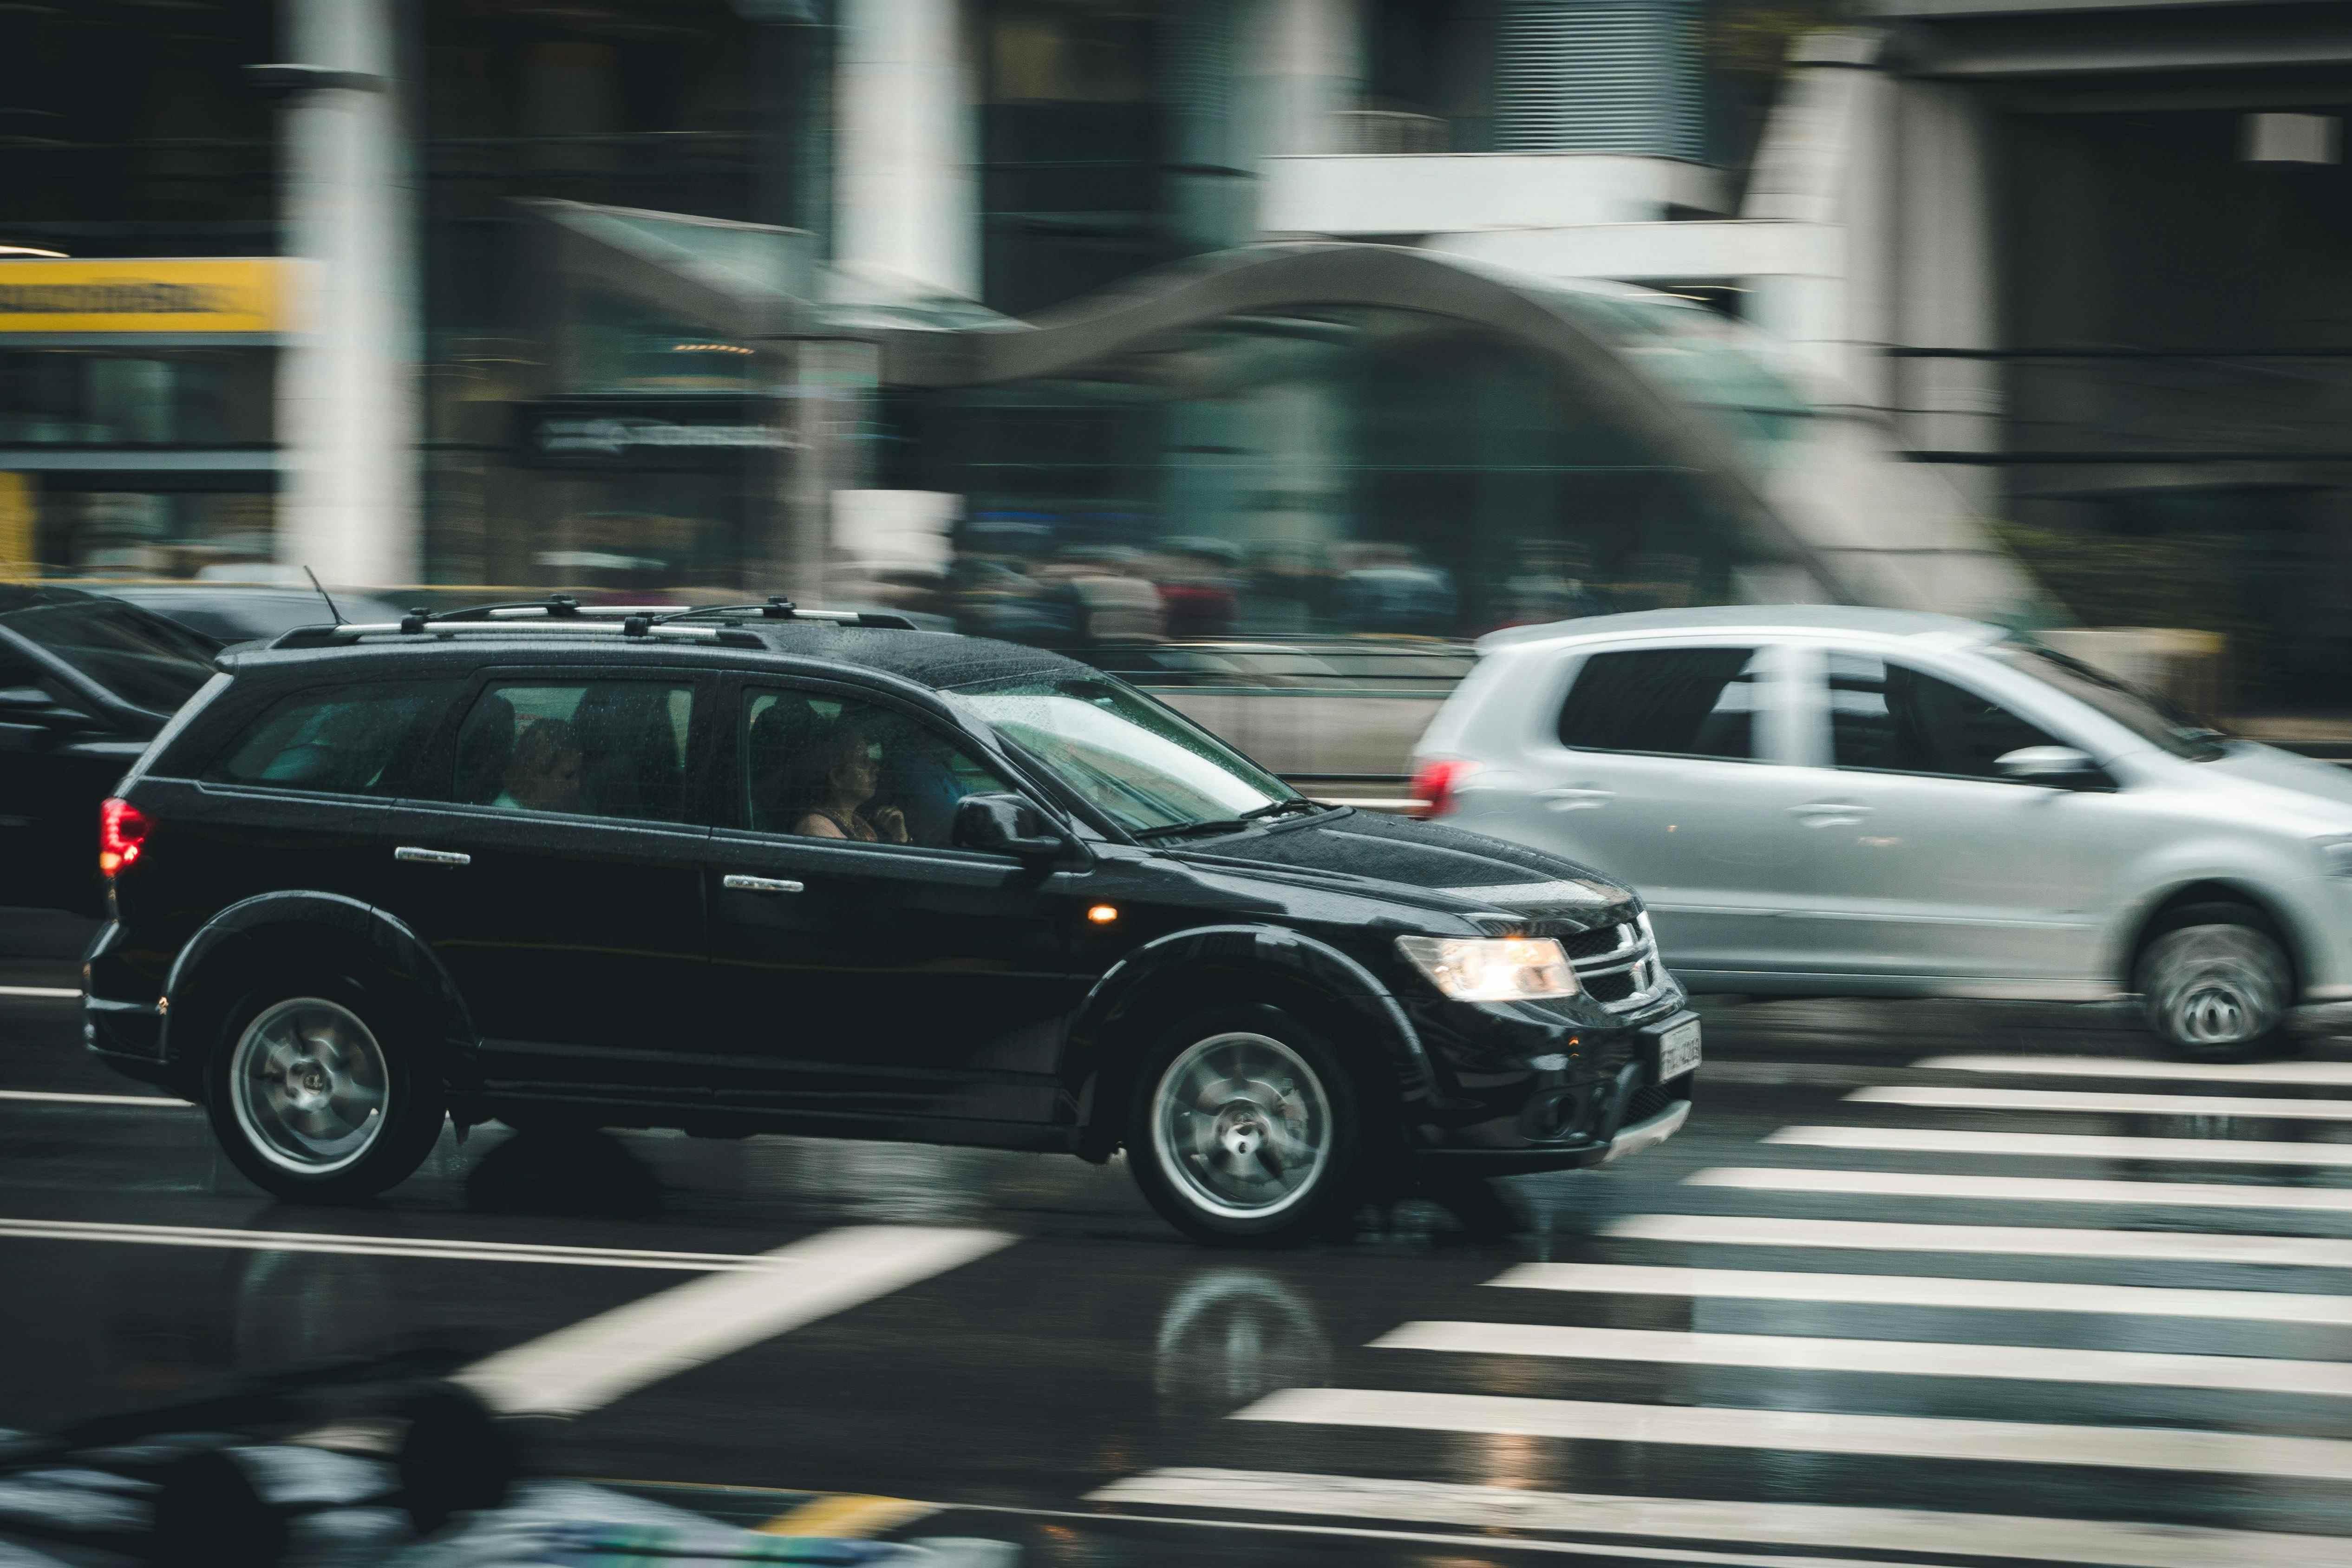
point(2021, 1189)
point(1903, 1358)
point(1815, 1432)
point(1975, 1097)
point(2334, 1074)
point(1820, 1527)
point(2065, 1146)
point(1930, 1290)
point(2019, 1241)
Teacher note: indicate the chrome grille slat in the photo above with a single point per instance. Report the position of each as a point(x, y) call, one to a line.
point(1634, 949)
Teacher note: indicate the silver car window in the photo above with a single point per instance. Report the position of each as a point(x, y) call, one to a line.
point(1669, 702)
point(1887, 717)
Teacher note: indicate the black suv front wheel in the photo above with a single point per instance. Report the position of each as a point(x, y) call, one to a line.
point(312, 1097)
point(1245, 1126)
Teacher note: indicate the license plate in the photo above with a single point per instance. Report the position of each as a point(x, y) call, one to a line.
point(1679, 1050)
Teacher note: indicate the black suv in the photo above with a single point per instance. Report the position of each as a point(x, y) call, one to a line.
point(746, 870)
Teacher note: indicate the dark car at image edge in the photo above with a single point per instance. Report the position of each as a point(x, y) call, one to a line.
point(747, 870)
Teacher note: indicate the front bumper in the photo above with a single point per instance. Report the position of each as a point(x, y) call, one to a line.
point(1546, 1094)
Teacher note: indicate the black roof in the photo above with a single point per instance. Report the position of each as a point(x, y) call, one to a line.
point(939, 660)
point(28, 595)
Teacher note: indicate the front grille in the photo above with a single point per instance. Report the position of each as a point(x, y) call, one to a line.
point(1608, 988)
point(1593, 943)
point(1623, 975)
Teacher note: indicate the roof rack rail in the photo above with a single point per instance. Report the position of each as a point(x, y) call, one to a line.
point(563, 613)
point(777, 608)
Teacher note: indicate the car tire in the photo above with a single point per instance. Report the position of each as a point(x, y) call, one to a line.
point(2216, 984)
point(317, 1093)
point(1246, 1127)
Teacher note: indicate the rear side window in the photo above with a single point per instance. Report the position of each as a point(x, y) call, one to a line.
point(586, 748)
point(1675, 701)
point(145, 660)
point(339, 740)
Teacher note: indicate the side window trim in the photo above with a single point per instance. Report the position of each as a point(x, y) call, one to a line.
point(732, 811)
point(440, 760)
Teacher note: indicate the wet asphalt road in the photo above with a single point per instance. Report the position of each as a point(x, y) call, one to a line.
point(2075, 1356)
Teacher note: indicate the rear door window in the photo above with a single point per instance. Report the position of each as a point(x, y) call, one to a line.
point(1667, 702)
point(338, 740)
point(583, 748)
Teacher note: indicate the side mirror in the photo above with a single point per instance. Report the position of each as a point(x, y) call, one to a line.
point(2060, 767)
point(1005, 824)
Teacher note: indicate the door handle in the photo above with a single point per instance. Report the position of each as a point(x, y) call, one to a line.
point(432, 857)
point(1830, 812)
point(761, 885)
point(1576, 797)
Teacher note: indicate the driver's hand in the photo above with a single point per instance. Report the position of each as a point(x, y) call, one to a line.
point(891, 824)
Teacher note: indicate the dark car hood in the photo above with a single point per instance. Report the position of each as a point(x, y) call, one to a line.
point(1463, 871)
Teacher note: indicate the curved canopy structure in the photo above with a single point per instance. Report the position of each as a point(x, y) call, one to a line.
point(1818, 497)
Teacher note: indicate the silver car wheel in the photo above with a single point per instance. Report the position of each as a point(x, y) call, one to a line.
point(309, 1086)
point(1241, 1126)
point(2215, 986)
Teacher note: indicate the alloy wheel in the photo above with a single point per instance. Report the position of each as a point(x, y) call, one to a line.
point(2215, 986)
point(309, 1085)
point(1243, 1125)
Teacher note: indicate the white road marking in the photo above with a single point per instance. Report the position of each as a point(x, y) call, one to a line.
point(2335, 1074)
point(1908, 1358)
point(592, 1364)
point(54, 1097)
point(1485, 1546)
point(385, 1245)
point(2008, 1536)
point(1929, 1291)
point(1968, 1096)
point(2066, 1145)
point(2021, 1189)
point(57, 991)
point(2025, 1241)
point(1815, 1432)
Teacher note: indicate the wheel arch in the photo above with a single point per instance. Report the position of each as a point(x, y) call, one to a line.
point(2156, 907)
point(1208, 965)
point(247, 942)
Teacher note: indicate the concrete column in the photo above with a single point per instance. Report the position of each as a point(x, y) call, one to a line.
point(905, 176)
point(348, 411)
point(1944, 282)
point(1302, 62)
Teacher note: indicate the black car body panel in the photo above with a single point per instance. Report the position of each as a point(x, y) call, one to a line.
point(67, 734)
point(651, 972)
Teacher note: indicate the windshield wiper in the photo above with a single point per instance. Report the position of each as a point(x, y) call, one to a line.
point(1230, 823)
point(1275, 808)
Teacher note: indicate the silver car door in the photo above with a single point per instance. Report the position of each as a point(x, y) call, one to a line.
point(1926, 870)
point(1659, 765)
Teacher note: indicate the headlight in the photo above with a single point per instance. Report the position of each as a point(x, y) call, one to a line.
point(1492, 969)
point(2334, 855)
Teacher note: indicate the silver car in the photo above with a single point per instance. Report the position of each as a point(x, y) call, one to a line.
point(1821, 801)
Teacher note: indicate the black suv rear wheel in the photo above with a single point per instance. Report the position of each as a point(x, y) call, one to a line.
point(315, 1096)
point(1245, 1126)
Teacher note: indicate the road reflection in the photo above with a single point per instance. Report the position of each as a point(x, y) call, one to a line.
point(1228, 1336)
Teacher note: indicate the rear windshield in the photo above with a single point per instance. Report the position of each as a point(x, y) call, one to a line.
point(144, 659)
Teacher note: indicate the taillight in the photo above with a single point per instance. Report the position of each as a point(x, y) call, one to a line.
point(122, 829)
point(1437, 783)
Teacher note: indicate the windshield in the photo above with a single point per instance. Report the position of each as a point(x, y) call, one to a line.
point(144, 660)
point(2145, 714)
point(1145, 766)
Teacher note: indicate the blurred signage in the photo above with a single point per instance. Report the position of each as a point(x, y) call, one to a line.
point(242, 296)
point(646, 433)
